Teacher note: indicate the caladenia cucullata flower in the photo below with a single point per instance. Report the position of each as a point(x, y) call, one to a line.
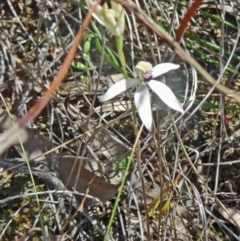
point(114, 20)
point(145, 80)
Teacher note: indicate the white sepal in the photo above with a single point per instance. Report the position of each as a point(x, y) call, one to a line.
point(119, 12)
point(163, 68)
point(165, 94)
point(98, 11)
point(143, 105)
point(118, 88)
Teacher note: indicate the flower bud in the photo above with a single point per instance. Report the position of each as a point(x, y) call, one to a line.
point(111, 18)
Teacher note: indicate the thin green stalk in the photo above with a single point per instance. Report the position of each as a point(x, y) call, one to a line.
point(208, 44)
point(107, 56)
point(209, 105)
point(206, 56)
point(202, 42)
point(30, 173)
point(119, 44)
point(122, 185)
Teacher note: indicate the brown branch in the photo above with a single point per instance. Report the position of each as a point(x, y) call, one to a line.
point(190, 13)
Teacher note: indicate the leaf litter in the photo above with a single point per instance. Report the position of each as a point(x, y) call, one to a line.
point(72, 117)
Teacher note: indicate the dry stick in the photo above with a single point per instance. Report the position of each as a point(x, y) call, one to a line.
point(176, 47)
point(80, 208)
point(11, 135)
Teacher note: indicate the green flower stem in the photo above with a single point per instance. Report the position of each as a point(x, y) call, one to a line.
point(119, 44)
point(122, 185)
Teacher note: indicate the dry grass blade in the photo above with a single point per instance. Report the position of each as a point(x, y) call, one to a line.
point(68, 166)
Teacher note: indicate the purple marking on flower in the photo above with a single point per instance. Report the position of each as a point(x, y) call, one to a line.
point(147, 76)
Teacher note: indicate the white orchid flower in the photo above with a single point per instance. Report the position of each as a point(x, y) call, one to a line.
point(145, 73)
point(112, 18)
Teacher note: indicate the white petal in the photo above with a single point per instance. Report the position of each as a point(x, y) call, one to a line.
point(143, 105)
point(113, 21)
point(97, 14)
point(163, 68)
point(121, 23)
point(118, 88)
point(165, 94)
point(99, 18)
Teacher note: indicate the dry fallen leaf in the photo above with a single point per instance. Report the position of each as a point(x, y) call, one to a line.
point(98, 187)
point(234, 217)
point(35, 145)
